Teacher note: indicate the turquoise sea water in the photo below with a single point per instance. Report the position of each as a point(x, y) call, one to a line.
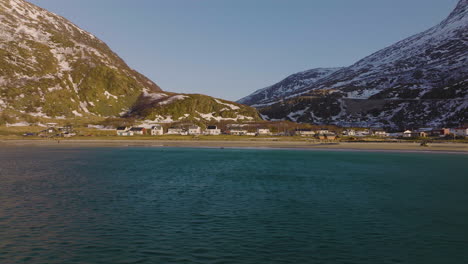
point(169, 205)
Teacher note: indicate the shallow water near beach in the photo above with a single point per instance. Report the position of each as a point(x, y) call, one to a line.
point(180, 205)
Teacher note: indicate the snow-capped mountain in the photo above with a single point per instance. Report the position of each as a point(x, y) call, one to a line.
point(50, 68)
point(419, 81)
point(290, 85)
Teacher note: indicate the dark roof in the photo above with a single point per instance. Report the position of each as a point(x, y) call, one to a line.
point(137, 129)
point(212, 127)
point(304, 130)
point(121, 128)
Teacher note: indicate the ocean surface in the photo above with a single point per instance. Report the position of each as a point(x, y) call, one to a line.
point(180, 205)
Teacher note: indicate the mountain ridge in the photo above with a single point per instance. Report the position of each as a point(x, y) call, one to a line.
point(50, 68)
point(430, 65)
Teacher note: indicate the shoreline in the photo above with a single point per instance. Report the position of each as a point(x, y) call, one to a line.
point(442, 148)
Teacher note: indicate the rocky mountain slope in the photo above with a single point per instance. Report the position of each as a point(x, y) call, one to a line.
point(419, 81)
point(50, 68)
point(290, 85)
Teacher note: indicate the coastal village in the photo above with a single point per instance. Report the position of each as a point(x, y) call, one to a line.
point(263, 129)
point(321, 133)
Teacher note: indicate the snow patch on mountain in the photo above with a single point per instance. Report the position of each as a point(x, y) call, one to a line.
point(288, 86)
point(233, 107)
point(172, 99)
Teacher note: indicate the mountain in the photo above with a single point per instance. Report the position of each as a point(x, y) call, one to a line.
point(419, 81)
point(52, 69)
point(290, 85)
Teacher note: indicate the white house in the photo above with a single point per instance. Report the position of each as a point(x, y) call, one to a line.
point(122, 130)
point(362, 133)
point(157, 130)
point(380, 133)
point(264, 131)
point(213, 131)
point(176, 131)
point(323, 131)
point(349, 132)
point(461, 131)
point(407, 133)
point(194, 130)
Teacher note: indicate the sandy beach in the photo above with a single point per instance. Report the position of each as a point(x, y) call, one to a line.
point(459, 148)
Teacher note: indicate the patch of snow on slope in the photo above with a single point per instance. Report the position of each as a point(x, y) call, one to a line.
point(293, 116)
point(84, 106)
point(264, 117)
point(3, 105)
point(233, 107)
point(163, 119)
point(173, 98)
point(55, 88)
point(362, 94)
point(108, 95)
point(154, 96)
point(210, 116)
point(19, 124)
point(76, 113)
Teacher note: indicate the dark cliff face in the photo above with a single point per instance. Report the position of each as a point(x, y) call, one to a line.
point(416, 76)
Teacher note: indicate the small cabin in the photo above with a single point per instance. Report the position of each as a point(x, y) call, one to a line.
point(263, 131)
point(194, 130)
point(212, 131)
point(407, 133)
point(323, 131)
point(461, 131)
point(379, 133)
point(157, 130)
point(176, 131)
point(349, 132)
point(121, 129)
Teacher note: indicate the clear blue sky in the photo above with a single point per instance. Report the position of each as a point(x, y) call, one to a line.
point(230, 48)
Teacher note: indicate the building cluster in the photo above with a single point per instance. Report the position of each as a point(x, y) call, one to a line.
point(439, 132)
point(52, 130)
point(418, 133)
point(322, 133)
point(158, 130)
point(192, 130)
point(374, 132)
